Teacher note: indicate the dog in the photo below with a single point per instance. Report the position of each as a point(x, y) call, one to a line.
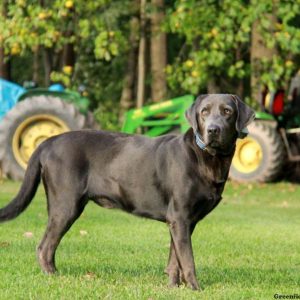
point(177, 179)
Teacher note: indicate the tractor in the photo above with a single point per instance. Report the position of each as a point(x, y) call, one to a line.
point(29, 115)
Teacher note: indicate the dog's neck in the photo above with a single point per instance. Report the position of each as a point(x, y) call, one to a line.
point(215, 166)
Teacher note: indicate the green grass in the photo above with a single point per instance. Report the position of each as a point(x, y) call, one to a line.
point(247, 248)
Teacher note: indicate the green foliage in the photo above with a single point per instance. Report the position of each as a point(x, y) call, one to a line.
point(247, 248)
point(28, 25)
point(96, 29)
point(108, 44)
point(107, 115)
point(217, 38)
point(209, 41)
point(215, 32)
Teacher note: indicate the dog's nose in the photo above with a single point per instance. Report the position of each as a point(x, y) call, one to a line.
point(213, 130)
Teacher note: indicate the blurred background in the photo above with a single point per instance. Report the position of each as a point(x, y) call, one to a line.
point(186, 46)
point(118, 55)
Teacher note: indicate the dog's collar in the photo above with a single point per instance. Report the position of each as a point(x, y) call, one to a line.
point(199, 141)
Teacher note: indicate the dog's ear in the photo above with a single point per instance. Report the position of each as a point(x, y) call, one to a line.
point(245, 115)
point(191, 113)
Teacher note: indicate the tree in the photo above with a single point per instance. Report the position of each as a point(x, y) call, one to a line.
point(215, 56)
point(4, 60)
point(218, 53)
point(140, 98)
point(158, 52)
point(259, 51)
point(213, 46)
point(127, 96)
point(62, 38)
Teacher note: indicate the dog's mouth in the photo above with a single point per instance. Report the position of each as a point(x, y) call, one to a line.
point(219, 146)
point(214, 144)
point(217, 142)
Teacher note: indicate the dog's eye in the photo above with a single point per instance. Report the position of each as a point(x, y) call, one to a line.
point(204, 111)
point(227, 111)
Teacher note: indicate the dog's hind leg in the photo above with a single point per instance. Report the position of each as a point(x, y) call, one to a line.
point(60, 219)
point(65, 182)
point(173, 267)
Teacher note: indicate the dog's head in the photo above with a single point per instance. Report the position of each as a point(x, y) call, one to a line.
point(219, 119)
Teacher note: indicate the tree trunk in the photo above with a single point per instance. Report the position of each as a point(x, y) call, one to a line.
point(158, 52)
point(141, 58)
point(213, 87)
point(127, 100)
point(240, 89)
point(4, 65)
point(36, 65)
point(240, 83)
point(69, 57)
point(259, 50)
point(47, 58)
point(4, 61)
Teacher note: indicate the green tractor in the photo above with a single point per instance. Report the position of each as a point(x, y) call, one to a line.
point(273, 139)
point(30, 115)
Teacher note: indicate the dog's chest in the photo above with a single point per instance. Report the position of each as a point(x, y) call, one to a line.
point(205, 201)
point(212, 198)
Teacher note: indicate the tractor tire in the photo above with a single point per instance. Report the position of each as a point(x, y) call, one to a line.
point(29, 123)
point(260, 156)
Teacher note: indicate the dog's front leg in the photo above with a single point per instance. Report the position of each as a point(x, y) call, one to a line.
point(180, 231)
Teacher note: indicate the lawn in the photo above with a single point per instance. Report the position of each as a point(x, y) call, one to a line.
point(247, 248)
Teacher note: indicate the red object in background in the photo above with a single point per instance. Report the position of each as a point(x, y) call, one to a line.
point(278, 103)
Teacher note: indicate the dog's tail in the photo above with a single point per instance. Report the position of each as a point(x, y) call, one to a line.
point(27, 191)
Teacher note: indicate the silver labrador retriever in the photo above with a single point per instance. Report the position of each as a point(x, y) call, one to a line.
point(173, 179)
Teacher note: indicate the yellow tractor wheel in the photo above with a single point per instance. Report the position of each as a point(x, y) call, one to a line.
point(260, 156)
point(32, 132)
point(248, 155)
point(28, 124)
